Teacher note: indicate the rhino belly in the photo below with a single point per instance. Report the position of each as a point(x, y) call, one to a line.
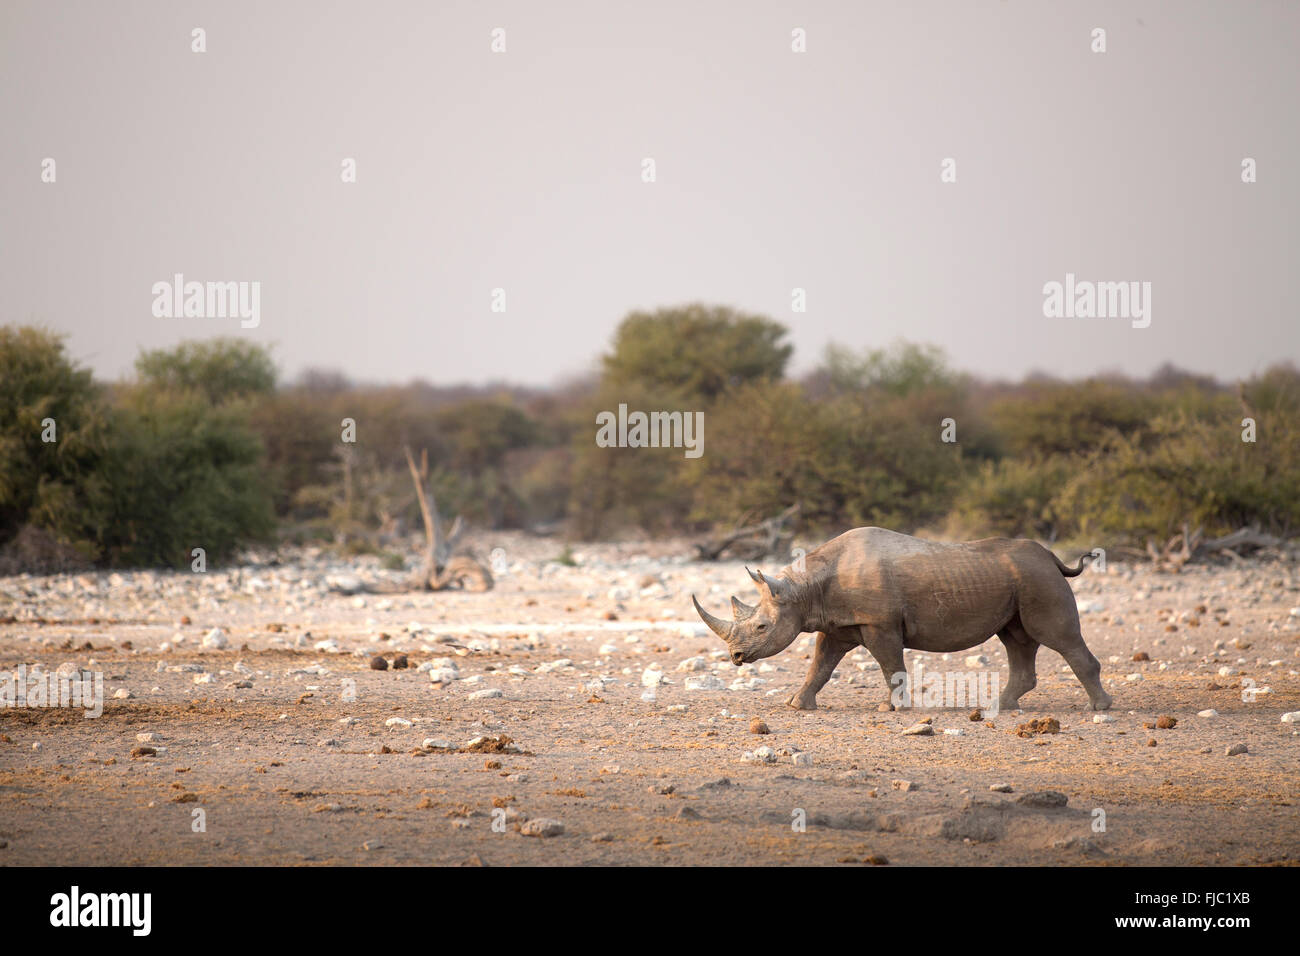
point(956, 615)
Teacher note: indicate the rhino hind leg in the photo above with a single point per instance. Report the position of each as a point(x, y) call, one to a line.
point(830, 650)
point(1063, 636)
point(1021, 651)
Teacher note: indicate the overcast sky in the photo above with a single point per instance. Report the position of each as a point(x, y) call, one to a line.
point(522, 170)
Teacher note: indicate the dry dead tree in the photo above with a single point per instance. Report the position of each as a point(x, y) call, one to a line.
point(1188, 544)
point(753, 542)
point(442, 568)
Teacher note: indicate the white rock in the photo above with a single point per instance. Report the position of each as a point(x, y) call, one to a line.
point(652, 676)
point(1207, 713)
point(437, 743)
point(706, 682)
point(542, 827)
point(399, 722)
point(694, 664)
point(485, 694)
point(761, 755)
point(1291, 717)
point(216, 639)
point(1103, 719)
point(802, 759)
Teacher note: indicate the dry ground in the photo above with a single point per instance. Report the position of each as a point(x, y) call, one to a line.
point(292, 769)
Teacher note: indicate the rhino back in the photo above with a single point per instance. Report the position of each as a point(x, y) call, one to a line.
point(942, 597)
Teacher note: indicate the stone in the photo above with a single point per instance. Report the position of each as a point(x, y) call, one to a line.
point(760, 755)
point(542, 827)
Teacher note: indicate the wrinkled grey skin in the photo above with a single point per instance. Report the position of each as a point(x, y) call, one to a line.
point(886, 591)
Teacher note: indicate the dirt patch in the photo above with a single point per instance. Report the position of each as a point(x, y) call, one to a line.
point(308, 766)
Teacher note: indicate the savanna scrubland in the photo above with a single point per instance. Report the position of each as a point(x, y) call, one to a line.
point(206, 446)
point(268, 710)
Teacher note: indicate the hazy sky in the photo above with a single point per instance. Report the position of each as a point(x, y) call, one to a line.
point(523, 170)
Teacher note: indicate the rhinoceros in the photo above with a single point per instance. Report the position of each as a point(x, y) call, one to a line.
point(887, 591)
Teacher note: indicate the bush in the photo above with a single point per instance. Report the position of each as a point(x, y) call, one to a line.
point(176, 474)
point(38, 382)
point(1014, 498)
point(219, 369)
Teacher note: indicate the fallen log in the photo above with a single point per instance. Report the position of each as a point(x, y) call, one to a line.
point(766, 539)
point(1190, 545)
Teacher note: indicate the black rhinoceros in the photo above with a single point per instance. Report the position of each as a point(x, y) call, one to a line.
point(886, 591)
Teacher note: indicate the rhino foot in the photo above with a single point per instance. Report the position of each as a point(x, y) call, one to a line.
point(1103, 702)
point(799, 702)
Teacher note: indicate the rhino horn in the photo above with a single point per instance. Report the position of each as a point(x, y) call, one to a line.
point(716, 624)
point(756, 575)
point(740, 610)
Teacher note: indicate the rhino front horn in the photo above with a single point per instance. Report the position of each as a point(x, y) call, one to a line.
point(716, 624)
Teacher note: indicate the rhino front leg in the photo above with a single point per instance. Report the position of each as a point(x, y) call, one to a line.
point(830, 651)
point(887, 649)
point(1021, 651)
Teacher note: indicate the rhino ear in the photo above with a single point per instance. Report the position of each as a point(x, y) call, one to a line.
point(780, 588)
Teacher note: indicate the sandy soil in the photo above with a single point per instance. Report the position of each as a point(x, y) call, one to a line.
point(283, 741)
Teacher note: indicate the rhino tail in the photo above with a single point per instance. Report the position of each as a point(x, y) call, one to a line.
point(1075, 571)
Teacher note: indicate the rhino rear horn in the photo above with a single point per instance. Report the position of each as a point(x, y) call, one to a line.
point(716, 624)
point(740, 610)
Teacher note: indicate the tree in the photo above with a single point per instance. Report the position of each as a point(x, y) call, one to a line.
point(696, 352)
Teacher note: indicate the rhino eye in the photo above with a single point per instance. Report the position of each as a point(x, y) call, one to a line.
point(762, 627)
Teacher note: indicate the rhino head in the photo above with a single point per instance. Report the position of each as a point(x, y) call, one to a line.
point(758, 632)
